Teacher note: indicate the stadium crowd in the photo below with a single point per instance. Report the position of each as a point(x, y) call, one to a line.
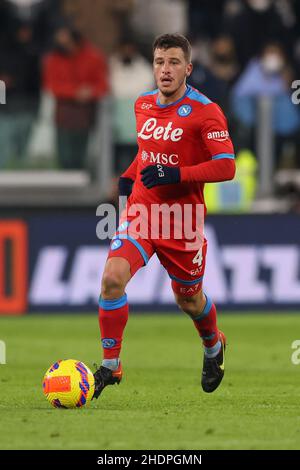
point(80, 52)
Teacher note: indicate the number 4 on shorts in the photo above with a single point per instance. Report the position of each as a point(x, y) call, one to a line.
point(198, 258)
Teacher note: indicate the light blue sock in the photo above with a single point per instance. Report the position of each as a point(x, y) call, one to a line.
point(112, 364)
point(214, 351)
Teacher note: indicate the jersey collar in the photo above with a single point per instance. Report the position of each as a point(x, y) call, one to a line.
point(188, 88)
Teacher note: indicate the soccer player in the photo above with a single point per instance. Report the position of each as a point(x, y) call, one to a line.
point(183, 143)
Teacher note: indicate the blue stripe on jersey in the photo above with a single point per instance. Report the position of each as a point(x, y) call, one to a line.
point(222, 155)
point(153, 92)
point(197, 96)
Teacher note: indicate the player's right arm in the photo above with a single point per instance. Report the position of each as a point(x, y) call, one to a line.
point(127, 179)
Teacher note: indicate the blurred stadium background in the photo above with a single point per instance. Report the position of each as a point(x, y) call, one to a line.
point(72, 70)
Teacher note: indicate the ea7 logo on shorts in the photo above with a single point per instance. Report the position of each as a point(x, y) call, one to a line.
point(150, 130)
point(195, 272)
point(219, 136)
point(108, 343)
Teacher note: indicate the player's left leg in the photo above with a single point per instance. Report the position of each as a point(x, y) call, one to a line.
point(186, 269)
point(204, 315)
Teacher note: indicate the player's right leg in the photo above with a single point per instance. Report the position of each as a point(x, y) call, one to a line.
point(113, 316)
point(126, 256)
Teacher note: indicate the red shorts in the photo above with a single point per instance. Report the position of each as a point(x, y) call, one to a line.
point(183, 261)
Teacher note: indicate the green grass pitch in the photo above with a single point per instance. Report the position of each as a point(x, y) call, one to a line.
point(159, 404)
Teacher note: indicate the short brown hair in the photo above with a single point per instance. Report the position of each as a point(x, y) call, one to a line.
point(166, 41)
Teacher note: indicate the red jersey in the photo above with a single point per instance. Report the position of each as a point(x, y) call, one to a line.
point(185, 134)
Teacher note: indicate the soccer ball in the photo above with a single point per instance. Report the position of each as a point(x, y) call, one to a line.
point(68, 384)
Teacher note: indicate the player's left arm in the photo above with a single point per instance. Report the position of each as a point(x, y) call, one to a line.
point(215, 137)
point(220, 165)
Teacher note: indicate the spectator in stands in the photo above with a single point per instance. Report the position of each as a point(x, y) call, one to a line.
point(19, 69)
point(268, 75)
point(40, 14)
point(104, 22)
point(215, 69)
point(131, 75)
point(6, 21)
point(224, 62)
point(253, 23)
point(205, 17)
point(75, 73)
point(202, 76)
